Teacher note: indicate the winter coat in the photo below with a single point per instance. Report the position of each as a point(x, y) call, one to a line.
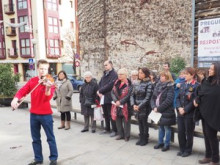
point(117, 94)
point(63, 96)
point(185, 98)
point(88, 90)
point(209, 104)
point(165, 92)
point(141, 96)
point(106, 84)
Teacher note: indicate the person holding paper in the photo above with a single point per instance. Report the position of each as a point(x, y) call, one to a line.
point(121, 108)
point(105, 87)
point(87, 100)
point(140, 101)
point(185, 111)
point(162, 102)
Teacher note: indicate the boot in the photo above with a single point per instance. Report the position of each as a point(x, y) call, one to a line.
point(139, 141)
point(62, 125)
point(68, 125)
point(144, 140)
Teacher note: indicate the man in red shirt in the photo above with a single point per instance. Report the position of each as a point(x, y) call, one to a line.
point(40, 112)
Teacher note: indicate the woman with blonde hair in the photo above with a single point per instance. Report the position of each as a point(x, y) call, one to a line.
point(162, 102)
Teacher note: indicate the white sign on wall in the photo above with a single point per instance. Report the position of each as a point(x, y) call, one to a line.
point(208, 41)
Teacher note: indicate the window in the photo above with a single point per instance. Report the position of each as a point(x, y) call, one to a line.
point(25, 47)
point(52, 5)
point(54, 47)
point(22, 4)
point(53, 25)
point(2, 48)
point(25, 27)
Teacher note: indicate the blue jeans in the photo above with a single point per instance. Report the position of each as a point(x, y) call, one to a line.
point(162, 131)
point(46, 121)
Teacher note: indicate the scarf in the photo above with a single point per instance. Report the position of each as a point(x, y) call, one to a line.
point(59, 83)
point(124, 92)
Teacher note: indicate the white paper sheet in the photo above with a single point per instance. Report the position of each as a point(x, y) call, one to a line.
point(155, 116)
point(102, 100)
point(121, 106)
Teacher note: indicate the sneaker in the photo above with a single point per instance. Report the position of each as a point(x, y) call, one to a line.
point(53, 162)
point(93, 131)
point(113, 134)
point(34, 162)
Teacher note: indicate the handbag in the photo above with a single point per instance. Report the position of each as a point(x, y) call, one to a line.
point(197, 115)
point(98, 113)
point(89, 101)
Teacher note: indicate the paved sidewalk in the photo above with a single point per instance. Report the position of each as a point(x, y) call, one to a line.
point(76, 148)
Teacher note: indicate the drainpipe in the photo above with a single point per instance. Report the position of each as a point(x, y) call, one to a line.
point(193, 31)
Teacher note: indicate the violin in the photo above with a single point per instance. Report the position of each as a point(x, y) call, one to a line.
point(46, 80)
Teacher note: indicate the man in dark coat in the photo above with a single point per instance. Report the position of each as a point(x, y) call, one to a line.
point(105, 86)
point(166, 67)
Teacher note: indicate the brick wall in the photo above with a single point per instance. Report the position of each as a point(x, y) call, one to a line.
point(133, 33)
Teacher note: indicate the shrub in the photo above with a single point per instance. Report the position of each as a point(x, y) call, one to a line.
point(7, 81)
point(177, 64)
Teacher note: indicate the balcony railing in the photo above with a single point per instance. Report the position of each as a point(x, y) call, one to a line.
point(12, 52)
point(9, 9)
point(10, 31)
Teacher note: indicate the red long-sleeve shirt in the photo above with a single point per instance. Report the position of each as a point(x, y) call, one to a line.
point(40, 103)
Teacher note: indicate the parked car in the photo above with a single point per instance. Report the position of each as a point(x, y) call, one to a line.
point(76, 82)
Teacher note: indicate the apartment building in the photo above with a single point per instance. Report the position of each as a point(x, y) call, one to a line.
point(37, 29)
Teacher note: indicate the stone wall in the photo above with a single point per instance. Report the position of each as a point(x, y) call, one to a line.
point(134, 33)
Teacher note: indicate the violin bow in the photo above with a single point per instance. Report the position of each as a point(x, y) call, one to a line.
point(23, 98)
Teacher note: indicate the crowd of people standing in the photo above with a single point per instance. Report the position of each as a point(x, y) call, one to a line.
point(183, 101)
point(178, 99)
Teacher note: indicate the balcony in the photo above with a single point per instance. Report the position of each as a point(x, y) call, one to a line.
point(10, 31)
point(12, 52)
point(9, 9)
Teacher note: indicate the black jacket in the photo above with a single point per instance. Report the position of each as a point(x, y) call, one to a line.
point(105, 85)
point(141, 96)
point(185, 99)
point(88, 90)
point(209, 104)
point(166, 92)
point(116, 94)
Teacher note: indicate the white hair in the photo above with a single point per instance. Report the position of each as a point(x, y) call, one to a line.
point(87, 73)
point(134, 72)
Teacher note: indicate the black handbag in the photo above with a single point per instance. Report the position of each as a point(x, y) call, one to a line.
point(89, 101)
point(197, 115)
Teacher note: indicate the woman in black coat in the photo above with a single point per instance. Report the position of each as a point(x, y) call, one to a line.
point(87, 100)
point(140, 101)
point(162, 102)
point(209, 107)
point(185, 111)
point(121, 110)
